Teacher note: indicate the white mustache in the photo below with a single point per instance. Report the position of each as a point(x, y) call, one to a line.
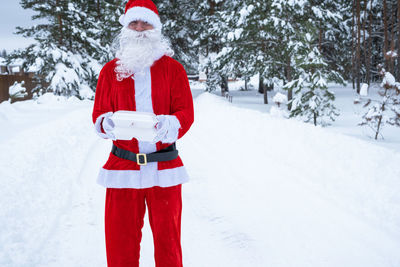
point(128, 36)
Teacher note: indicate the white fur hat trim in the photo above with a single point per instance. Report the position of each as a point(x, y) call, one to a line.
point(140, 13)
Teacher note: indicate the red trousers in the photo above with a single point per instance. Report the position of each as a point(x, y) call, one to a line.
point(124, 218)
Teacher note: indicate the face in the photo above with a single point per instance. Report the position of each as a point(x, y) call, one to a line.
point(139, 25)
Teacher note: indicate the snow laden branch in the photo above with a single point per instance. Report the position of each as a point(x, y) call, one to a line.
point(385, 110)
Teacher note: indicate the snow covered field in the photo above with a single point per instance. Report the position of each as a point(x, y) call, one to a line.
point(264, 191)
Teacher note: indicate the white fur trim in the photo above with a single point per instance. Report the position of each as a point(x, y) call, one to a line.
point(97, 125)
point(140, 13)
point(139, 179)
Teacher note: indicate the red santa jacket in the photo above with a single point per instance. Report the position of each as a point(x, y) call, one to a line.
point(170, 95)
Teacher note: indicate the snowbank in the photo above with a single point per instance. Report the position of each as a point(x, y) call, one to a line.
point(301, 194)
point(41, 183)
point(358, 175)
point(51, 99)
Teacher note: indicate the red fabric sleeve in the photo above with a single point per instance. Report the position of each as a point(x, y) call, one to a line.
point(103, 96)
point(101, 126)
point(182, 101)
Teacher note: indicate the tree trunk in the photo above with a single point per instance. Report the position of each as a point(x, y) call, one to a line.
point(392, 43)
point(368, 59)
point(320, 40)
point(382, 108)
point(60, 24)
point(398, 40)
point(212, 4)
point(353, 42)
point(98, 10)
point(269, 87)
point(358, 58)
point(385, 31)
point(289, 79)
point(315, 118)
point(364, 34)
point(262, 88)
point(265, 95)
point(261, 83)
point(224, 85)
point(380, 119)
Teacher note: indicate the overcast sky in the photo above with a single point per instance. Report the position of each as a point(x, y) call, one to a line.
point(11, 16)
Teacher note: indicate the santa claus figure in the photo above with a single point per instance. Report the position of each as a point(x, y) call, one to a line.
point(144, 78)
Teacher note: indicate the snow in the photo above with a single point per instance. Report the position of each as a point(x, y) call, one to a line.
point(388, 79)
point(279, 112)
point(392, 54)
point(86, 92)
point(279, 98)
point(56, 54)
point(244, 12)
point(364, 89)
point(15, 69)
point(17, 90)
point(318, 12)
point(50, 99)
point(17, 62)
point(275, 192)
point(71, 7)
point(39, 63)
point(64, 75)
point(375, 111)
point(235, 35)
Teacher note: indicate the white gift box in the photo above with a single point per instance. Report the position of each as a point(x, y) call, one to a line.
point(133, 124)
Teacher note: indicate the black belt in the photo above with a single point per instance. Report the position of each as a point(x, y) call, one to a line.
point(166, 154)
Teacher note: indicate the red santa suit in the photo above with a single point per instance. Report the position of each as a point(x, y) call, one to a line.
point(162, 89)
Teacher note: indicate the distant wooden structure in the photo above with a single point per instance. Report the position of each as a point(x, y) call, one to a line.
point(9, 74)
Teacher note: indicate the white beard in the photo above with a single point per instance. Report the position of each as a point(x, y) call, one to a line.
point(136, 51)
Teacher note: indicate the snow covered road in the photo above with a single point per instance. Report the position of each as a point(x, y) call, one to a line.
point(263, 191)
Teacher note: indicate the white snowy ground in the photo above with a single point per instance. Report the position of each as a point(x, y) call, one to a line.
point(346, 123)
point(264, 191)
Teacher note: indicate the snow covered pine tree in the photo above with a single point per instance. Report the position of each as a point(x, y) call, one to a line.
point(70, 46)
point(312, 100)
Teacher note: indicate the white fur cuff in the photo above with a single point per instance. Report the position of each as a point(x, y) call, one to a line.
point(97, 124)
point(173, 131)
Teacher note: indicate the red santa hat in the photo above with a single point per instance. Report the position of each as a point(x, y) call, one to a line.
point(144, 10)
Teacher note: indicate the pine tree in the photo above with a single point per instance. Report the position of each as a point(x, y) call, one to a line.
point(332, 20)
point(58, 57)
point(106, 25)
point(213, 24)
point(246, 48)
point(312, 100)
point(181, 25)
point(72, 44)
point(286, 18)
